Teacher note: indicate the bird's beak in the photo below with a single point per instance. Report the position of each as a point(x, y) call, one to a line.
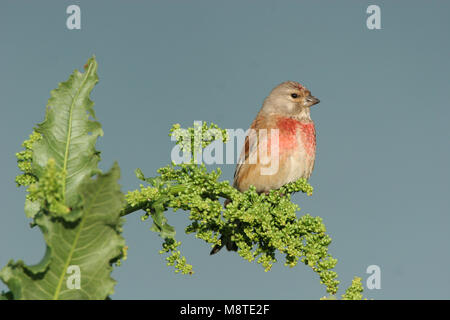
point(312, 100)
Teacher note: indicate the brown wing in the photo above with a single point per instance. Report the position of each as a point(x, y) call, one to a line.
point(249, 150)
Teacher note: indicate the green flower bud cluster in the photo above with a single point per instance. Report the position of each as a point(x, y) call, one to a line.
point(175, 259)
point(195, 138)
point(24, 161)
point(48, 191)
point(259, 224)
point(123, 257)
point(354, 292)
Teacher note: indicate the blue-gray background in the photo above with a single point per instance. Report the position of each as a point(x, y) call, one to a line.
point(382, 170)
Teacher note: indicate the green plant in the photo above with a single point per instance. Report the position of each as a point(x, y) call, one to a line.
point(80, 210)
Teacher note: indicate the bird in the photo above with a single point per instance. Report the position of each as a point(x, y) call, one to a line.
point(280, 146)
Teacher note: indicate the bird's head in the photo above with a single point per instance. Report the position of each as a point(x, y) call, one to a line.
point(289, 98)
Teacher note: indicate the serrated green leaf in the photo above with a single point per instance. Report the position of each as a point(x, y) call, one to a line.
point(68, 133)
point(155, 228)
point(139, 174)
point(158, 213)
point(156, 182)
point(92, 243)
point(167, 231)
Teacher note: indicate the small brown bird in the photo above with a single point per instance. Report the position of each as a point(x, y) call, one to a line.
point(280, 146)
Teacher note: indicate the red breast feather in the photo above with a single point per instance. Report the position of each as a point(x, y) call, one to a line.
point(288, 135)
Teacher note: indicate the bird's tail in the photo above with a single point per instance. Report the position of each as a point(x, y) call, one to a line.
point(216, 249)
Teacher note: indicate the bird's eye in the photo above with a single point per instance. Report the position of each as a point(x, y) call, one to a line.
point(294, 95)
